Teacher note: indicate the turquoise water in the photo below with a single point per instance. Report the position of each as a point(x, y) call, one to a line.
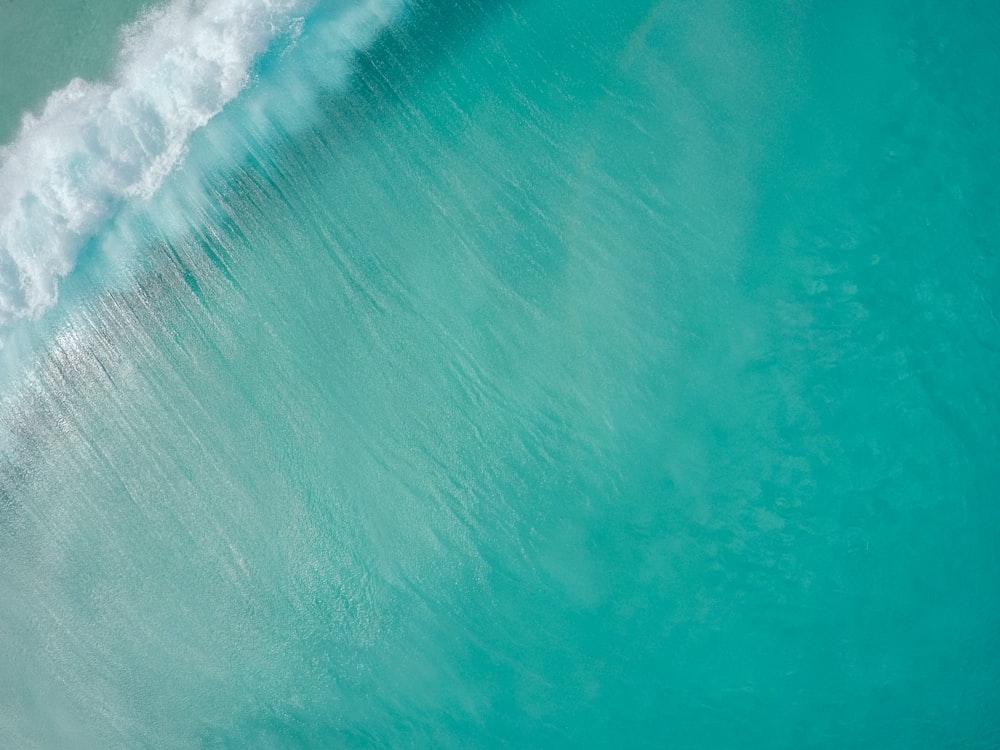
point(510, 374)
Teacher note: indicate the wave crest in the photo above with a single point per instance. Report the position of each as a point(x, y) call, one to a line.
point(96, 145)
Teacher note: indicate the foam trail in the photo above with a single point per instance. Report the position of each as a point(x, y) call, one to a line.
point(96, 145)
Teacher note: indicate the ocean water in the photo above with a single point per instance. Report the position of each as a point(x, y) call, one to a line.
point(504, 373)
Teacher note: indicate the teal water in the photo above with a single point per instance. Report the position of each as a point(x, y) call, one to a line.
point(526, 374)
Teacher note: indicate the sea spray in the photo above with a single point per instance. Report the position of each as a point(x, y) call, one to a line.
point(96, 145)
point(120, 199)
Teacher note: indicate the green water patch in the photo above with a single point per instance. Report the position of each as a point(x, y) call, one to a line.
point(45, 45)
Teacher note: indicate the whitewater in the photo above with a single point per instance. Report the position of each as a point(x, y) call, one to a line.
point(96, 145)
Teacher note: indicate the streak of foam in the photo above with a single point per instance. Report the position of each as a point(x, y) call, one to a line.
point(96, 145)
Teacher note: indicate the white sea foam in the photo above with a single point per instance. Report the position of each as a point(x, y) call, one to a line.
point(96, 145)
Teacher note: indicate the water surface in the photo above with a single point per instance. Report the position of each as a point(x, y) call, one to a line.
point(534, 374)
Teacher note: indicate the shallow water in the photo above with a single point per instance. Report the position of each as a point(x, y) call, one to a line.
point(44, 45)
point(532, 375)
